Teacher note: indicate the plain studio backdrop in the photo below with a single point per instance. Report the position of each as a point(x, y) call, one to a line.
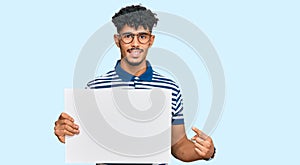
point(257, 43)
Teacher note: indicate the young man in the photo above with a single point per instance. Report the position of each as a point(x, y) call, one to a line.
point(134, 26)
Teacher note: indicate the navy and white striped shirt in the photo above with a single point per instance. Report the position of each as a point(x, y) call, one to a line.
point(119, 78)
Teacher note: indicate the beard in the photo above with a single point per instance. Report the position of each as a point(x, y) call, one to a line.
point(134, 63)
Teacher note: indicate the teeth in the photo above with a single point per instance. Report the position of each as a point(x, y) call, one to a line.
point(135, 52)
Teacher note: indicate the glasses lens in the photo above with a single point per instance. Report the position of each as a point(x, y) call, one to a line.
point(127, 38)
point(142, 37)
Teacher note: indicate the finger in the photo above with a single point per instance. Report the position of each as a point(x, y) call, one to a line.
point(194, 137)
point(201, 148)
point(62, 122)
point(68, 133)
point(66, 127)
point(64, 115)
point(203, 151)
point(200, 153)
point(63, 132)
point(199, 133)
point(205, 143)
point(71, 129)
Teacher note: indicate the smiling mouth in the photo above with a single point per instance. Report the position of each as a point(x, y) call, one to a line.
point(135, 52)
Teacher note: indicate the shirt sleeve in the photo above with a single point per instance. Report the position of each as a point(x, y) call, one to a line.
point(177, 108)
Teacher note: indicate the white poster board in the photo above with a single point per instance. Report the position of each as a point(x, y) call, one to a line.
point(119, 126)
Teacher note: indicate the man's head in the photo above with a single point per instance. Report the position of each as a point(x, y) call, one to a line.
point(134, 25)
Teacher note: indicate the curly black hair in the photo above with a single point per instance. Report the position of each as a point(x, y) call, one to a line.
point(135, 16)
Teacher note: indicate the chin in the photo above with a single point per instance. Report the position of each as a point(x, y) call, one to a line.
point(134, 62)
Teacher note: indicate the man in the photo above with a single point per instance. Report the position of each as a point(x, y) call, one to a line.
point(134, 26)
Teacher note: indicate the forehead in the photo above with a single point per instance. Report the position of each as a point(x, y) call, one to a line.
point(128, 29)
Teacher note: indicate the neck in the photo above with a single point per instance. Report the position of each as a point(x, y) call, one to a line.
point(134, 70)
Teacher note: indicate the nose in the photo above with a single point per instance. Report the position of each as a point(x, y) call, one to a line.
point(135, 41)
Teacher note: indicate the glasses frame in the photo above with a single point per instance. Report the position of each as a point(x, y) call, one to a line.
point(132, 35)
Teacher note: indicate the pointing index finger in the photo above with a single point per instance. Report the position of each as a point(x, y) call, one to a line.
point(199, 133)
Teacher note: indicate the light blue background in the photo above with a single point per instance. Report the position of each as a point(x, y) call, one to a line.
point(257, 42)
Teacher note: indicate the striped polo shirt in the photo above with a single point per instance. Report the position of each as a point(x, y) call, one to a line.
point(119, 78)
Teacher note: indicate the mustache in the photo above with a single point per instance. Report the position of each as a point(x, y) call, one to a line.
point(129, 50)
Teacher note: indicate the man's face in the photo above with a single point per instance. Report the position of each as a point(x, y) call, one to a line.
point(134, 53)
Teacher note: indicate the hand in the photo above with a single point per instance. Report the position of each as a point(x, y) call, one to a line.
point(65, 126)
point(204, 146)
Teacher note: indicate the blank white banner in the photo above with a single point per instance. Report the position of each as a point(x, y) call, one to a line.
point(119, 126)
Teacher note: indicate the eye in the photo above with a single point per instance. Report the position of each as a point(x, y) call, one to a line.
point(143, 36)
point(127, 36)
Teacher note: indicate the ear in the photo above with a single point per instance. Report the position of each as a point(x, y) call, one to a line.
point(151, 40)
point(117, 41)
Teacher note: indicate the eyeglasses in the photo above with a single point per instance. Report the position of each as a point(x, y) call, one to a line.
point(143, 38)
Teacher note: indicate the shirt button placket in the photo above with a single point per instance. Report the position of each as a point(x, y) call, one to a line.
point(135, 81)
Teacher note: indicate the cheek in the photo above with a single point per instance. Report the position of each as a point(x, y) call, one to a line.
point(122, 47)
point(146, 47)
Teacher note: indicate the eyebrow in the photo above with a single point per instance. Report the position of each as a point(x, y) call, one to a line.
point(135, 33)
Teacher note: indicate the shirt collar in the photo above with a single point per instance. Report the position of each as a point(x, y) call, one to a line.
point(125, 76)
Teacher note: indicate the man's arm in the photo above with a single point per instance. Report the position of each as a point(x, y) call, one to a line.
point(186, 150)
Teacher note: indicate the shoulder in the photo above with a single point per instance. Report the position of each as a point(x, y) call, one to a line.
point(103, 79)
point(159, 78)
